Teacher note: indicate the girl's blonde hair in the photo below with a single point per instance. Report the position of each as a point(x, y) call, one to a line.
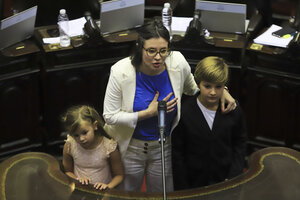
point(75, 115)
point(211, 69)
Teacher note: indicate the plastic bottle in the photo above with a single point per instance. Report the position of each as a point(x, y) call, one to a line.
point(167, 14)
point(63, 25)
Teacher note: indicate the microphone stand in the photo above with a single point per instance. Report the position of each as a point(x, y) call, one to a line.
point(161, 125)
point(162, 132)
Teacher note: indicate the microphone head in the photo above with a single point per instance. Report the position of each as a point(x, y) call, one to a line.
point(87, 15)
point(162, 105)
point(198, 13)
point(161, 108)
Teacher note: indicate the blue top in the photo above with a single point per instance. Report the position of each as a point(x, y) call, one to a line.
point(146, 87)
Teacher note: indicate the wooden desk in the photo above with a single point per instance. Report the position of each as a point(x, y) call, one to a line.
point(219, 39)
point(78, 41)
point(271, 96)
point(21, 48)
point(273, 174)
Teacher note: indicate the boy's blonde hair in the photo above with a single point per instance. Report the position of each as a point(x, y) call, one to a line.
point(75, 115)
point(211, 69)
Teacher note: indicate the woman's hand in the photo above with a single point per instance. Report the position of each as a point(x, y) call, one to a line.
point(101, 186)
point(227, 98)
point(152, 108)
point(170, 104)
point(84, 181)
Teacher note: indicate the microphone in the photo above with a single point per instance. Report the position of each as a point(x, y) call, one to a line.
point(87, 15)
point(195, 29)
point(92, 31)
point(161, 108)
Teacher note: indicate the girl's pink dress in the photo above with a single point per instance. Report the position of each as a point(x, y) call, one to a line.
point(92, 163)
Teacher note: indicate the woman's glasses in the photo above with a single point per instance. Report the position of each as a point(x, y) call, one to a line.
point(153, 52)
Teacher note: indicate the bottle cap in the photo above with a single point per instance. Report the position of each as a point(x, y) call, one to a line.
point(167, 5)
point(62, 11)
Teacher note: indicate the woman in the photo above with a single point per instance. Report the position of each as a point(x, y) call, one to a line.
point(135, 86)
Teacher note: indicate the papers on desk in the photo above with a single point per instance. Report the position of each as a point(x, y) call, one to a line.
point(75, 29)
point(268, 39)
point(180, 24)
point(51, 40)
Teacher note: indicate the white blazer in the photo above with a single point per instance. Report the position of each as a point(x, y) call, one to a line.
point(120, 92)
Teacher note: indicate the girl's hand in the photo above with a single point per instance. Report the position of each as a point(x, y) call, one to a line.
point(84, 181)
point(100, 186)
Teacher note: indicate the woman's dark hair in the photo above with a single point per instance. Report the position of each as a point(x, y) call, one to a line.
point(153, 29)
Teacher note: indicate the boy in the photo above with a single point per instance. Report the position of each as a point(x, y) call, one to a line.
point(207, 146)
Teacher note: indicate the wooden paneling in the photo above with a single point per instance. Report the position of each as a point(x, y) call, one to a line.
point(19, 111)
point(72, 86)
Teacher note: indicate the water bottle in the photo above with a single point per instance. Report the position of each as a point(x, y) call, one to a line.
point(167, 17)
point(63, 25)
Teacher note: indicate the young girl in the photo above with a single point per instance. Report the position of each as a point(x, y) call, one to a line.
point(89, 154)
